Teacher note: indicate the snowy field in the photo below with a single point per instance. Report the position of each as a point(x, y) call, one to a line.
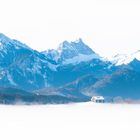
point(82, 121)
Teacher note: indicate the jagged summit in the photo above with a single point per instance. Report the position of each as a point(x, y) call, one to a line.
point(72, 52)
point(31, 70)
point(77, 46)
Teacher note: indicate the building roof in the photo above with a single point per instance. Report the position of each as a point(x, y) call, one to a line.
point(98, 97)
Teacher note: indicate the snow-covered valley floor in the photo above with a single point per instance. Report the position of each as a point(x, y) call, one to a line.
point(82, 121)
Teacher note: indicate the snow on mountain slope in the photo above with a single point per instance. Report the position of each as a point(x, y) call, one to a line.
point(28, 69)
point(22, 66)
point(80, 58)
point(121, 59)
point(25, 68)
point(12, 50)
point(6, 42)
point(71, 53)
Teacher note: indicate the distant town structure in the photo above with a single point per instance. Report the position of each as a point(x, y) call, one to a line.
point(98, 99)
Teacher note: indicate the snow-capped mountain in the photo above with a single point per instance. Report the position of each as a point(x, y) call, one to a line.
point(71, 53)
point(121, 59)
point(6, 42)
point(73, 71)
point(23, 67)
point(76, 59)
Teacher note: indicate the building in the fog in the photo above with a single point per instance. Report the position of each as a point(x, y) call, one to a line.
point(98, 99)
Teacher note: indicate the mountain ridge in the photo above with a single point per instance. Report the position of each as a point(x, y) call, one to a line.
point(73, 71)
point(71, 52)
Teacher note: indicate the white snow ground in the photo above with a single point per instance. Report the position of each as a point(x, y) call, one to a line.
point(82, 121)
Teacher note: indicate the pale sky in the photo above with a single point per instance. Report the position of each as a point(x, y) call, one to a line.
point(107, 26)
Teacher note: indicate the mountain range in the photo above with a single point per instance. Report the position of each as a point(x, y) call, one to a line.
point(71, 73)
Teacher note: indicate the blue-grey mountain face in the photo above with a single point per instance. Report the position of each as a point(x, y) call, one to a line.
point(134, 65)
point(25, 68)
point(73, 72)
point(22, 67)
point(72, 89)
point(68, 73)
point(123, 83)
point(74, 60)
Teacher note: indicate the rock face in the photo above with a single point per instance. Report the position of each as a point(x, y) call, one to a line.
point(123, 83)
point(23, 67)
point(71, 53)
point(73, 71)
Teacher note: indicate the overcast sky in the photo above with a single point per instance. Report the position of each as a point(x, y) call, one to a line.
point(108, 26)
